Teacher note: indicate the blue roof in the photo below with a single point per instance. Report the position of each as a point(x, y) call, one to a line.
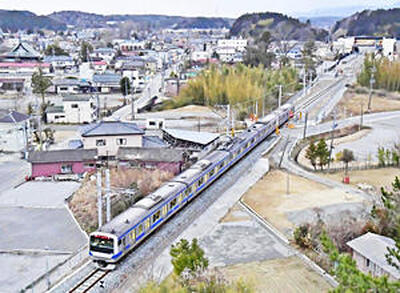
point(107, 78)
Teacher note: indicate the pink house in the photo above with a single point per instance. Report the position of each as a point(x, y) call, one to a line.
point(51, 163)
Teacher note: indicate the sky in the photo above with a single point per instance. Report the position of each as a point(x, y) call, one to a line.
point(221, 8)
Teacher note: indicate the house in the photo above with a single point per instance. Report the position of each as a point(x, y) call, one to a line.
point(67, 86)
point(108, 136)
point(238, 45)
point(369, 252)
point(60, 63)
point(107, 82)
point(62, 162)
point(22, 52)
point(165, 159)
point(99, 66)
point(14, 132)
point(12, 84)
point(106, 54)
point(75, 109)
point(27, 68)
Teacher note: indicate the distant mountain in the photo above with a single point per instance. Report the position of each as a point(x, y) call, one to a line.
point(279, 25)
point(90, 20)
point(370, 23)
point(11, 20)
point(325, 22)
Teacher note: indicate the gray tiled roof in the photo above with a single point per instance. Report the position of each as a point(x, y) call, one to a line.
point(374, 247)
point(110, 128)
point(77, 98)
point(150, 154)
point(55, 109)
point(23, 50)
point(49, 59)
point(14, 117)
point(79, 155)
point(66, 81)
point(153, 142)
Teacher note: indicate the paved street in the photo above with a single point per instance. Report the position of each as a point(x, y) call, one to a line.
point(12, 173)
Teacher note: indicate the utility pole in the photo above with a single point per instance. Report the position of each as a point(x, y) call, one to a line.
point(362, 116)
point(263, 107)
point(304, 82)
point(371, 83)
point(332, 138)
point(256, 109)
point(228, 111)
point(280, 96)
point(287, 183)
point(108, 195)
point(99, 199)
point(305, 125)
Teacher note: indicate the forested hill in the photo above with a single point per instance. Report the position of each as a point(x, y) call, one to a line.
point(370, 23)
point(12, 20)
point(89, 20)
point(279, 25)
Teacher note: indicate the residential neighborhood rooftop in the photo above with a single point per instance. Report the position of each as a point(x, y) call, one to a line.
point(14, 117)
point(76, 155)
point(109, 128)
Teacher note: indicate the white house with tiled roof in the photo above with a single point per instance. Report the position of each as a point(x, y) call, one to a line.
point(369, 252)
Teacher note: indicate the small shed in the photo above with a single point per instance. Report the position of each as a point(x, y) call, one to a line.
point(190, 139)
point(65, 162)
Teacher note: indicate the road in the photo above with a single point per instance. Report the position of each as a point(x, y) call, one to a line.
point(13, 173)
point(152, 89)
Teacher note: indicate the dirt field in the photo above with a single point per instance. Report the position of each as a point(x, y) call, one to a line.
point(268, 197)
point(279, 275)
point(375, 177)
point(351, 103)
point(235, 214)
point(192, 109)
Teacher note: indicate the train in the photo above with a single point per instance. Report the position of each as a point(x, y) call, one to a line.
point(114, 240)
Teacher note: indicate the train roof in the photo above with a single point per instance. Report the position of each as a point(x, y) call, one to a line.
point(188, 176)
point(132, 216)
point(216, 156)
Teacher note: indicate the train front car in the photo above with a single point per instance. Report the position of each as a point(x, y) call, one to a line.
point(102, 249)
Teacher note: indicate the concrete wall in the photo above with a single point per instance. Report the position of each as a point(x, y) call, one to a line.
point(368, 267)
point(111, 147)
point(50, 169)
point(82, 114)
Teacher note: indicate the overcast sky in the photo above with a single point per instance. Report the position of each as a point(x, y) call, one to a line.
point(227, 8)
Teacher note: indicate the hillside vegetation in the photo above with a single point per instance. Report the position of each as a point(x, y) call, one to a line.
point(237, 85)
point(13, 21)
point(280, 26)
point(371, 23)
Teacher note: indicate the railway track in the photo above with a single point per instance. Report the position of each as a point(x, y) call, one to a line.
point(89, 281)
point(304, 105)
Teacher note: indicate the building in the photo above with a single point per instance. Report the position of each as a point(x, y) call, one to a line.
point(74, 110)
point(108, 136)
point(107, 82)
point(12, 84)
point(67, 86)
point(60, 63)
point(62, 162)
point(106, 54)
point(238, 45)
point(27, 68)
point(191, 140)
point(14, 132)
point(165, 159)
point(369, 252)
point(22, 52)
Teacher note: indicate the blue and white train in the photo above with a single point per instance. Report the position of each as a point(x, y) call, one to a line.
point(126, 231)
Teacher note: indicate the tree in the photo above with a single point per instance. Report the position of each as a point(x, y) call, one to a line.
point(311, 154)
point(86, 49)
point(40, 83)
point(188, 256)
point(346, 158)
point(308, 53)
point(125, 85)
point(322, 153)
point(55, 50)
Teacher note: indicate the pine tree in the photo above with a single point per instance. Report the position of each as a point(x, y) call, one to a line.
point(322, 153)
point(311, 154)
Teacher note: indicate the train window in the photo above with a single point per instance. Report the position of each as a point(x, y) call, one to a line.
point(133, 235)
point(173, 202)
point(156, 216)
point(140, 229)
point(201, 181)
point(222, 165)
point(147, 224)
point(212, 172)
